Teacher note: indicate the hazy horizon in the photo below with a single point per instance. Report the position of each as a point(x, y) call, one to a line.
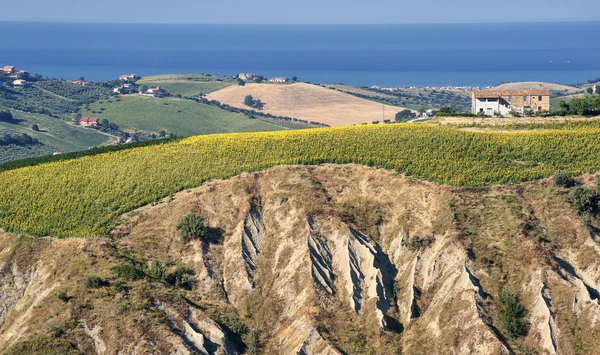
point(308, 12)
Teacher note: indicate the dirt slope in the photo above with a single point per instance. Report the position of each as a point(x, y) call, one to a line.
point(308, 102)
point(315, 260)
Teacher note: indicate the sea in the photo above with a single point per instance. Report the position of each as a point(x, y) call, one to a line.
point(383, 55)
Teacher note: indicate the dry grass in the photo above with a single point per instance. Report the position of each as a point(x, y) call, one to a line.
point(536, 85)
point(505, 121)
point(308, 102)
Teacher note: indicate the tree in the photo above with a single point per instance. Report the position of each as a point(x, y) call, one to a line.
point(35, 128)
point(294, 79)
point(191, 227)
point(248, 100)
point(6, 116)
point(241, 82)
point(405, 115)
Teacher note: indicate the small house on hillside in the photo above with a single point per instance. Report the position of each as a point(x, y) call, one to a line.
point(246, 76)
point(488, 102)
point(8, 69)
point(79, 82)
point(127, 77)
point(279, 80)
point(89, 121)
point(22, 74)
point(20, 82)
point(155, 91)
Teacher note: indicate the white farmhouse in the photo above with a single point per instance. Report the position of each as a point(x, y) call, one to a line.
point(488, 102)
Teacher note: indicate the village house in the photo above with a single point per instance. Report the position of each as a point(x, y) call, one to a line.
point(246, 76)
point(154, 91)
point(118, 89)
point(89, 121)
point(127, 77)
point(22, 74)
point(20, 82)
point(279, 80)
point(79, 82)
point(504, 102)
point(8, 69)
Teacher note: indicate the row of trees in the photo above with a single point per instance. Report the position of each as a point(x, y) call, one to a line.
point(588, 105)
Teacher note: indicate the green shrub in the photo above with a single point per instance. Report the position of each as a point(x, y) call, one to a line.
point(43, 345)
point(63, 296)
point(582, 201)
point(511, 313)
point(191, 227)
point(253, 343)
point(94, 281)
point(563, 180)
point(415, 243)
point(127, 271)
point(158, 270)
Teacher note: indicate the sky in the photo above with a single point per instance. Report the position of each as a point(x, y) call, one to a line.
point(300, 11)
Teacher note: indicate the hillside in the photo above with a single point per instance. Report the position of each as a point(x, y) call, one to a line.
point(179, 116)
point(316, 260)
point(532, 85)
point(186, 85)
point(135, 177)
point(413, 98)
point(55, 134)
point(308, 102)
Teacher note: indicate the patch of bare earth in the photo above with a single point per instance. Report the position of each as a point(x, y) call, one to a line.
point(333, 259)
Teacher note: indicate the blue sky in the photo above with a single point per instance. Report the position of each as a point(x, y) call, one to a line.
point(301, 11)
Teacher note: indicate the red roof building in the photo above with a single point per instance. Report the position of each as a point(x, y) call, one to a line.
point(89, 121)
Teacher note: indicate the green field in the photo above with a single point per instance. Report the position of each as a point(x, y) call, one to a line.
point(56, 134)
point(85, 196)
point(179, 116)
point(189, 88)
point(186, 85)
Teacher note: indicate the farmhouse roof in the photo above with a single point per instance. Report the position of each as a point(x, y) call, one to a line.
point(482, 94)
point(89, 119)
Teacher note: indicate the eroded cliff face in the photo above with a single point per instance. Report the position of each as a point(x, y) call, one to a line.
point(316, 260)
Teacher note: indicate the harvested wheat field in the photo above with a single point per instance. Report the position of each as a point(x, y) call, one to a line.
point(536, 85)
point(308, 102)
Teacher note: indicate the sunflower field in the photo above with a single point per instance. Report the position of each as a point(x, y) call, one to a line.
point(83, 197)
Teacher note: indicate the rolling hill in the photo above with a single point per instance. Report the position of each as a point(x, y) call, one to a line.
point(328, 260)
point(179, 116)
point(531, 85)
point(308, 102)
point(186, 85)
point(55, 134)
point(319, 241)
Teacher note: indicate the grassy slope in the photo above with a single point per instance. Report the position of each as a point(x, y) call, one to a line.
point(414, 102)
point(189, 88)
point(186, 84)
point(135, 177)
point(57, 133)
point(179, 116)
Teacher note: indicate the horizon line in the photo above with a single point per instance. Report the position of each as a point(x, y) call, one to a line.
point(302, 24)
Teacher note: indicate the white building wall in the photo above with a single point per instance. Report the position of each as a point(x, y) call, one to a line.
point(489, 107)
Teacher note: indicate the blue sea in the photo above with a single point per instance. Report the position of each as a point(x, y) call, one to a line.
point(384, 55)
